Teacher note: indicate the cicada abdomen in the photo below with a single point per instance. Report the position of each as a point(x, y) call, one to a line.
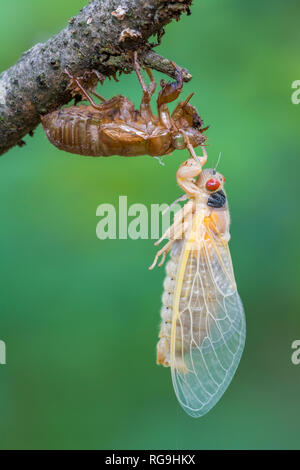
point(85, 130)
point(74, 129)
point(164, 344)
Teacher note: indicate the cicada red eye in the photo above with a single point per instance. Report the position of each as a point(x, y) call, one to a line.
point(212, 184)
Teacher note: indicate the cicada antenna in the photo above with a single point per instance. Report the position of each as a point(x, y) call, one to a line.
point(218, 161)
point(204, 151)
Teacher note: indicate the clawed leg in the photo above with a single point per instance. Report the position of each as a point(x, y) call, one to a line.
point(148, 91)
point(186, 174)
point(98, 96)
point(189, 170)
point(181, 220)
point(76, 83)
point(177, 231)
point(180, 199)
point(200, 160)
point(162, 252)
point(170, 91)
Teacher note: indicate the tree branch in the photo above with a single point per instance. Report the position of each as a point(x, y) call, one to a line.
point(100, 38)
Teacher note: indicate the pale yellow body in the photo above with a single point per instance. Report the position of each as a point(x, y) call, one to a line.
point(202, 331)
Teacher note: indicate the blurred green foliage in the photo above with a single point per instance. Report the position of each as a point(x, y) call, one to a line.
point(80, 316)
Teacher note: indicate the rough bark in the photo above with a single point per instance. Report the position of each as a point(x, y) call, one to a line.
point(100, 37)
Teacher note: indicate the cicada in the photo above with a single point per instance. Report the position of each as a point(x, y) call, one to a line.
point(203, 328)
point(115, 127)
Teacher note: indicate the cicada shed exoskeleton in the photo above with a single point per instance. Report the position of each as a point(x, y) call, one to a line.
point(203, 329)
point(115, 127)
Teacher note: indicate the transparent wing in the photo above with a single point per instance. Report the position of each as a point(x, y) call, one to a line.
point(208, 328)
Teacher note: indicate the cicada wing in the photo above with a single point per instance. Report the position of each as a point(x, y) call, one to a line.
point(208, 328)
point(124, 132)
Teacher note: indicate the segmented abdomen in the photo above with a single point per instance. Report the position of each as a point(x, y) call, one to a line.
point(163, 346)
point(194, 302)
point(75, 130)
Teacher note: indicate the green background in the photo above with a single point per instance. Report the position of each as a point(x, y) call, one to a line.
point(80, 316)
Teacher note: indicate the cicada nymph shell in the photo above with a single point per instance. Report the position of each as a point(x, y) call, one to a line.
point(115, 127)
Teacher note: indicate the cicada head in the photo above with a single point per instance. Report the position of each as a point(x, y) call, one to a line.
point(186, 119)
point(211, 184)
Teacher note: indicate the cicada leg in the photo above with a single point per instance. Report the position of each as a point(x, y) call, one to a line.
point(169, 92)
point(181, 198)
point(98, 96)
point(189, 170)
point(180, 220)
point(162, 252)
point(145, 108)
point(201, 160)
point(185, 175)
point(76, 81)
point(177, 230)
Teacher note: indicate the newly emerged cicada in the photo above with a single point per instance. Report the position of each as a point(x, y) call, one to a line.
point(115, 127)
point(203, 328)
